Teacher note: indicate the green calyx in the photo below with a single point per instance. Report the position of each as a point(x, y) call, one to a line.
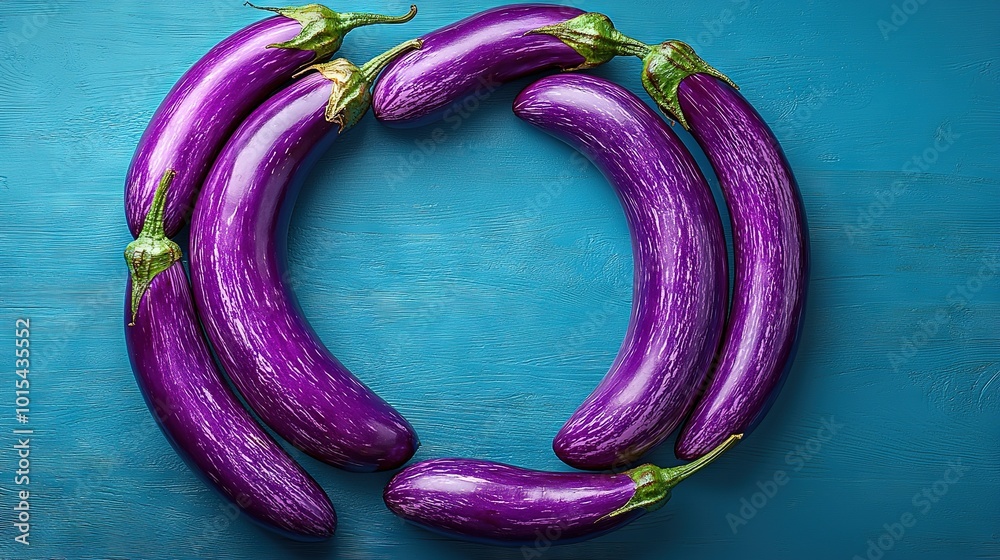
point(594, 36)
point(665, 66)
point(654, 484)
point(323, 29)
point(152, 251)
point(351, 96)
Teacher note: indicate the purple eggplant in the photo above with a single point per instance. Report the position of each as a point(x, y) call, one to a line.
point(213, 96)
point(238, 232)
point(481, 52)
point(680, 279)
point(195, 408)
point(770, 242)
point(770, 236)
point(501, 504)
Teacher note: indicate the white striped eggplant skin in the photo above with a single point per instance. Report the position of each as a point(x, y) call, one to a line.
point(499, 504)
point(770, 242)
point(200, 415)
point(171, 360)
point(483, 51)
point(210, 100)
point(770, 236)
point(680, 267)
point(771, 247)
point(238, 232)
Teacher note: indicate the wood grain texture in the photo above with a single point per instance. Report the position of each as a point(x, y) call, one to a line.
point(486, 307)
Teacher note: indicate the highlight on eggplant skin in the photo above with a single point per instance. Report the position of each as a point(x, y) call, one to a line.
point(210, 100)
point(271, 353)
point(501, 504)
point(494, 503)
point(680, 284)
point(194, 407)
point(474, 57)
point(771, 243)
point(770, 236)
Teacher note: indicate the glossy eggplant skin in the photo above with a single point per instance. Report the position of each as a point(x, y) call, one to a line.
point(501, 504)
point(480, 52)
point(202, 110)
point(264, 343)
point(680, 267)
point(206, 423)
point(771, 247)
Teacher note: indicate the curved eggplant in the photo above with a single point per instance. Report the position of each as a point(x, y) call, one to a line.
point(500, 504)
point(478, 54)
point(213, 96)
point(238, 231)
point(770, 237)
point(680, 279)
point(201, 417)
point(770, 243)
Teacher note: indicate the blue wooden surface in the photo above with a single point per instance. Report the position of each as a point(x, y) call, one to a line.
point(483, 289)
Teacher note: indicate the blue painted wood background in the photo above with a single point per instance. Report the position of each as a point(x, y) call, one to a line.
point(484, 288)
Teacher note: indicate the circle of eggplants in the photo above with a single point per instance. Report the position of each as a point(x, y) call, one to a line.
point(237, 134)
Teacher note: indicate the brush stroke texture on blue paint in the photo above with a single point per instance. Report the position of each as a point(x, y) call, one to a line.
point(480, 280)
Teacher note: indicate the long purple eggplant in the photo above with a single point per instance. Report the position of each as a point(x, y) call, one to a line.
point(680, 270)
point(770, 236)
point(195, 408)
point(238, 232)
point(500, 504)
point(477, 54)
point(213, 97)
point(770, 243)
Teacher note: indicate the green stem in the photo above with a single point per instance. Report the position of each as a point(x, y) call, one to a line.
point(266, 8)
point(664, 67)
point(153, 225)
point(595, 38)
point(631, 47)
point(152, 251)
point(679, 473)
point(357, 19)
point(323, 29)
point(654, 484)
point(371, 69)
